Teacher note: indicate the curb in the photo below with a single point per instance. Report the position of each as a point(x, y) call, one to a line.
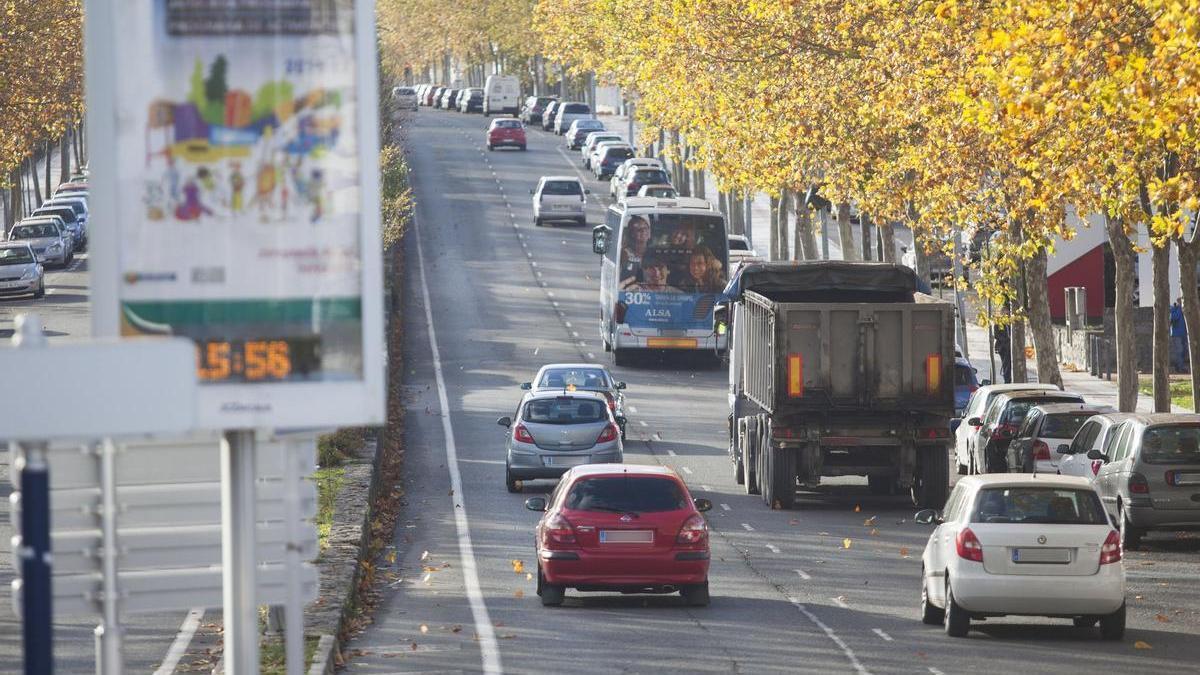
point(323, 661)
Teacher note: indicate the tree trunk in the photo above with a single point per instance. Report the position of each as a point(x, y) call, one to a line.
point(722, 206)
point(806, 239)
point(774, 246)
point(1160, 259)
point(80, 147)
point(846, 233)
point(48, 155)
point(64, 157)
point(700, 188)
point(1039, 320)
point(737, 221)
point(33, 178)
point(748, 208)
point(1189, 255)
point(887, 235)
point(919, 257)
point(1125, 262)
point(864, 229)
point(785, 208)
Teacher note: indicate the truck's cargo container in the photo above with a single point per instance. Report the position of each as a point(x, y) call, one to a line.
point(838, 369)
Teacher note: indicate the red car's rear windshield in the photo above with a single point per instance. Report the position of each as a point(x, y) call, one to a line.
point(626, 494)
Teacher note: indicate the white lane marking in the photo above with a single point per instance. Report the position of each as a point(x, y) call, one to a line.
point(550, 293)
point(849, 653)
point(591, 356)
point(772, 548)
point(672, 453)
point(880, 633)
point(748, 527)
point(725, 507)
point(803, 575)
point(631, 408)
point(568, 324)
point(532, 264)
point(643, 423)
point(488, 647)
point(705, 488)
point(935, 671)
point(182, 640)
point(686, 470)
point(575, 333)
point(840, 603)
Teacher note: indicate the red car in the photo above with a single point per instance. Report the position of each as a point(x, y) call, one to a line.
point(623, 528)
point(506, 131)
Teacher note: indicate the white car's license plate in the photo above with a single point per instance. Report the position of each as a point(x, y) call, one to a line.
point(562, 207)
point(565, 461)
point(1056, 556)
point(626, 536)
point(11, 284)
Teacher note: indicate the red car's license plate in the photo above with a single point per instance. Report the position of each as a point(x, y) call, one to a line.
point(626, 536)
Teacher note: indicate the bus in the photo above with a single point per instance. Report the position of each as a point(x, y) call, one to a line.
point(664, 262)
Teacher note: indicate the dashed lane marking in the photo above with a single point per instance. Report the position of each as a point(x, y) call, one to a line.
point(748, 527)
point(772, 548)
point(725, 507)
point(880, 633)
point(803, 575)
point(840, 603)
point(686, 470)
point(672, 453)
point(183, 638)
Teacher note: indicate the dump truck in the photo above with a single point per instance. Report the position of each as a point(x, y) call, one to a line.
point(838, 369)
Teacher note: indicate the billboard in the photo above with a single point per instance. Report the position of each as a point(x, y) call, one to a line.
point(237, 177)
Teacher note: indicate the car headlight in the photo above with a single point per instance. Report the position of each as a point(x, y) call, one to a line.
point(54, 247)
point(30, 273)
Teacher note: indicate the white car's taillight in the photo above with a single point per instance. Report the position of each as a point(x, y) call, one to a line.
point(1110, 552)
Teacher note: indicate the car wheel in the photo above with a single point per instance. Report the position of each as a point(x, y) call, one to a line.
point(511, 483)
point(623, 431)
point(880, 485)
point(1131, 537)
point(489, 147)
point(957, 621)
point(1085, 621)
point(739, 469)
point(622, 357)
point(930, 613)
point(696, 595)
point(41, 291)
point(581, 221)
point(1112, 626)
point(522, 148)
point(551, 594)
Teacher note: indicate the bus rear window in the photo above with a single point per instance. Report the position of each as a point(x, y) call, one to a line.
point(674, 253)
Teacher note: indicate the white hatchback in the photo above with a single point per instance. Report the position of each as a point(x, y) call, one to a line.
point(1027, 545)
point(559, 198)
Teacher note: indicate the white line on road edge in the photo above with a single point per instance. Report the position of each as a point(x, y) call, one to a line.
point(182, 639)
point(840, 603)
point(772, 548)
point(803, 575)
point(748, 526)
point(705, 488)
point(858, 667)
point(725, 507)
point(935, 671)
point(488, 647)
point(686, 470)
point(880, 633)
point(643, 423)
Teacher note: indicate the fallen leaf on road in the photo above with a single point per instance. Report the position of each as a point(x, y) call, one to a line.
point(425, 579)
point(518, 566)
point(430, 568)
point(518, 593)
point(840, 598)
point(904, 551)
point(424, 629)
point(414, 646)
point(1142, 645)
point(845, 543)
point(456, 629)
point(857, 508)
point(874, 532)
point(451, 493)
point(391, 557)
point(1137, 597)
point(777, 506)
point(1162, 618)
point(529, 576)
point(869, 522)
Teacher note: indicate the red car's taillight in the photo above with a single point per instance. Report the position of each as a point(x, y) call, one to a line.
point(1110, 552)
point(968, 545)
point(1041, 450)
point(557, 530)
point(609, 434)
point(693, 532)
point(1138, 484)
point(522, 434)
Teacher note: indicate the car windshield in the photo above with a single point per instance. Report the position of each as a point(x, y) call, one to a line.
point(1063, 425)
point(626, 494)
point(562, 187)
point(1040, 505)
point(644, 176)
point(508, 124)
point(565, 410)
point(34, 231)
point(65, 212)
point(590, 378)
point(597, 140)
point(1171, 445)
point(736, 244)
point(544, 101)
point(16, 255)
point(589, 124)
point(404, 91)
point(1015, 411)
point(618, 153)
point(576, 109)
point(670, 192)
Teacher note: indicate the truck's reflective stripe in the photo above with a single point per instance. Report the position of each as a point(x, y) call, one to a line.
point(795, 375)
point(933, 373)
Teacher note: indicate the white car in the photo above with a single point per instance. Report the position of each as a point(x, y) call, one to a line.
point(559, 198)
point(579, 131)
point(404, 98)
point(567, 112)
point(658, 191)
point(1016, 544)
point(965, 434)
point(1096, 434)
point(592, 140)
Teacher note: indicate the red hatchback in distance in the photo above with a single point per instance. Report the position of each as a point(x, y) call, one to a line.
point(623, 528)
point(506, 131)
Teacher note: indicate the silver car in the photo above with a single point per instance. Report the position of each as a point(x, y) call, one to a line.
point(555, 430)
point(20, 272)
point(46, 239)
point(1150, 479)
point(582, 377)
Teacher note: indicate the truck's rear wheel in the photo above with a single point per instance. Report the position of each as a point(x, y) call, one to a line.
point(779, 484)
point(933, 479)
point(750, 455)
point(621, 357)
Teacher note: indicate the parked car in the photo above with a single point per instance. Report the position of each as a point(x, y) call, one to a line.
point(450, 99)
point(1150, 479)
point(78, 226)
point(582, 377)
point(45, 238)
point(567, 112)
point(531, 112)
point(20, 271)
point(559, 198)
point(998, 426)
point(1034, 449)
point(501, 95)
point(1018, 545)
point(554, 430)
point(621, 528)
point(66, 215)
point(592, 140)
point(432, 95)
point(633, 164)
point(965, 384)
point(1097, 433)
point(634, 179)
point(68, 234)
point(660, 191)
point(965, 434)
point(72, 189)
point(608, 157)
point(579, 130)
point(404, 98)
point(470, 100)
point(506, 132)
point(548, 115)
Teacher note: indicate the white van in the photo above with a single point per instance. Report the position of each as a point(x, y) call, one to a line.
point(501, 95)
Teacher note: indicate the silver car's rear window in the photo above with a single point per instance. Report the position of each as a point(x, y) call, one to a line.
point(1038, 505)
point(626, 494)
point(580, 377)
point(1171, 445)
point(565, 410)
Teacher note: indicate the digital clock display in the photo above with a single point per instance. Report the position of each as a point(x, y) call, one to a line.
point(260, 360)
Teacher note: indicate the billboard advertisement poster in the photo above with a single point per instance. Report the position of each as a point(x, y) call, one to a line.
point(243, 191)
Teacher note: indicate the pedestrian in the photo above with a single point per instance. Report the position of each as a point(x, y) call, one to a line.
point(1004, 351)
point(1179, 343)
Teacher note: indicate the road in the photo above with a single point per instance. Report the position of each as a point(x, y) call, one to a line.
point(831, 587)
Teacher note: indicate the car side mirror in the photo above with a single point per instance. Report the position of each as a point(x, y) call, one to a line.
point(587, 191)
point(984, 383)
point(975, 422)
point(536, 503)
point(702, 505)
point(527, 385)
point(505, 421)
point(927, 517)
point(954, 424)
point(600, 237)
point(1063, 449)
point(1096, 454)
point(621, 385)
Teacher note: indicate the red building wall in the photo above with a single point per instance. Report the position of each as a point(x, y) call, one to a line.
point(1088, 271)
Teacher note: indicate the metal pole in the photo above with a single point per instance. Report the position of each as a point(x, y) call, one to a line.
point(108, 634)
point(960, 307)
point(631, 109)
point(294, 608)
point(824, 215)
point(35, 557)
point(238, 552)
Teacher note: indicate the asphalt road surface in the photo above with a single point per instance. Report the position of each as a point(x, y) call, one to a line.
point(832, 586)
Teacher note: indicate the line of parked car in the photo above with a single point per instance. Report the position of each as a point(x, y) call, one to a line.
point(50, 236)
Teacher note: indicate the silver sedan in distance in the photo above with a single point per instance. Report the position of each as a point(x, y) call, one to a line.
point(556, 430)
